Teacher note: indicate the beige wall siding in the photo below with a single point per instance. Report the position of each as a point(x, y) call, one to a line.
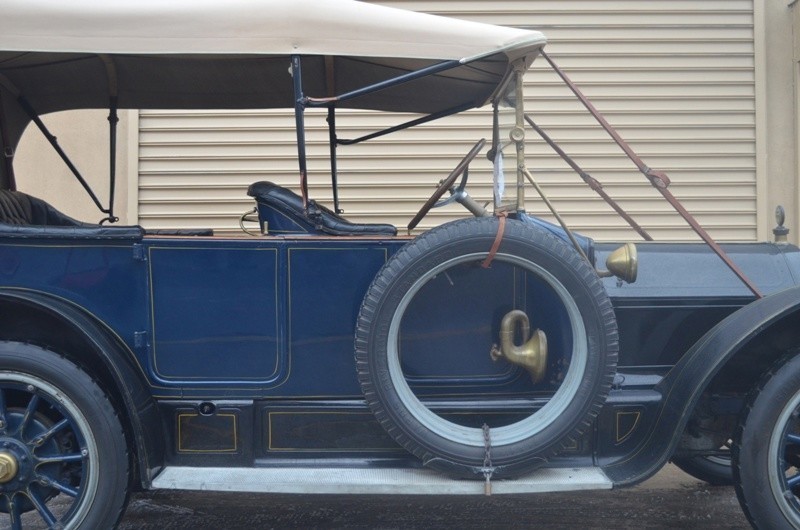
point(676, 77)
point(83, 134)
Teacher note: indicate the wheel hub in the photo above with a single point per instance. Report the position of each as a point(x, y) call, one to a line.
point(16, 465)
point(8, 467)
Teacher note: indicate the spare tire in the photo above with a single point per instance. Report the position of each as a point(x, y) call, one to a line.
point(579, 374)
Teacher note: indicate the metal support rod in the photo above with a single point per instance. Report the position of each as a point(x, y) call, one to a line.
point(299, 111)
point(649, 173)
point(556, 215)
point(588, 179)
point(408, 124)
point(113, 120)
point(658, 179)
point(389, 83)
point(334, 166)
point(8, 150)
point(54, 143)
point(518, 135)
point(495, 131)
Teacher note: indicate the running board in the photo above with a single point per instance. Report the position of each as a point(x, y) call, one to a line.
point(370, 481)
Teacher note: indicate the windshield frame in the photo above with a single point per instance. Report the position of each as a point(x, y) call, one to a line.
point(509, 196)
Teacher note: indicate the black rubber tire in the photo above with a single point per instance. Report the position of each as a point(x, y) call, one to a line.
point(758, 477)
point(470, 238)
point(713, 470)
point(69, 391)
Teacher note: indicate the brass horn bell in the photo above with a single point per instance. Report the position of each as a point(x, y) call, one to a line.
point(622, 263)
point(531, 354)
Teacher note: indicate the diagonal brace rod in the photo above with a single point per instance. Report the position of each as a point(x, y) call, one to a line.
point(26, 106)
point(658, 179)
point(588, 179)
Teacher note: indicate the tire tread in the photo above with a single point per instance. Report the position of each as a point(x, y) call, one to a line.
point(458, 231)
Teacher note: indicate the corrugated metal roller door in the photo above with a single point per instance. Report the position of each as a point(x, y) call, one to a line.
point(675, 76)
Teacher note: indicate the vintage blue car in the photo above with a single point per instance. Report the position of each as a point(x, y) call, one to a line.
point(495, 354)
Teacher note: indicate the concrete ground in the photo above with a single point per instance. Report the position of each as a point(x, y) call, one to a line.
point(671, 499)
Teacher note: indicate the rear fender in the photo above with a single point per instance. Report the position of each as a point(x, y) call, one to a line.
point(40, 318)
point(753, 337)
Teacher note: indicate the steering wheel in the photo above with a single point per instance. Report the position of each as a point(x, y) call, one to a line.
point(447, 183)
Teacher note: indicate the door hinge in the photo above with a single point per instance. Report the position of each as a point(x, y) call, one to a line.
point(138, 252)
point(140, 341)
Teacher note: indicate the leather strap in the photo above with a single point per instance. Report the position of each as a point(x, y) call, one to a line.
point(502, 216)
point(593, 183)
point(658, 179)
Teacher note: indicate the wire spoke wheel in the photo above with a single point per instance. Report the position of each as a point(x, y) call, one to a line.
point(766, 450)
point(47, 454)
point(784, 462)
point(57, 467)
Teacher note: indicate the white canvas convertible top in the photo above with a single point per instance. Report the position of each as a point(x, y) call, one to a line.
point(278, 27)
point(236, 54)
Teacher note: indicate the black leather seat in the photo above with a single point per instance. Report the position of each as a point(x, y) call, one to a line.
point(17, 208)
point(317, 218)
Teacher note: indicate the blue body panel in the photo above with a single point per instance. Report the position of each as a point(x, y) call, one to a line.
point(683, 289)
point(274, 317)
point(263, 327)
point(215, 311)
point(99, 276)
point(259, 317)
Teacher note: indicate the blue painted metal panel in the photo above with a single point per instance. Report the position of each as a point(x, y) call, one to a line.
point(450, 326)
point(265, 318)
point(683, 289)
point(215, 312)
point(274, 317)
point(101, 277)
point(326, 284)
point(258, 317)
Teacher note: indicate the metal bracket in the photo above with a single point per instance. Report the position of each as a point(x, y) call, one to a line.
point(140, 340)
point(138, 252)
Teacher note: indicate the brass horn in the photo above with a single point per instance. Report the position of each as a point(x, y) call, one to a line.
point(531, 354)
point(622, 263)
